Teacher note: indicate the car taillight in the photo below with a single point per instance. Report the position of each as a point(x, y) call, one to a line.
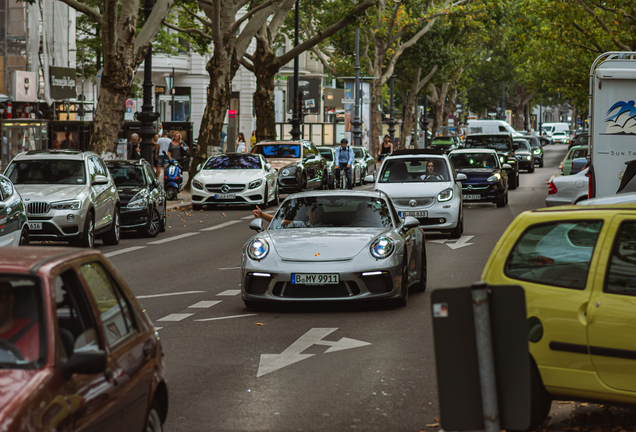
point(552, 189)
point(590, 183)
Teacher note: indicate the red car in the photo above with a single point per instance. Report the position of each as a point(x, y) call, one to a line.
point(77, 351)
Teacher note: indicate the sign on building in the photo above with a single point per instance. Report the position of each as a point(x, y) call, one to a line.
point(62, 83)
point(310, 95)
point(25, 86)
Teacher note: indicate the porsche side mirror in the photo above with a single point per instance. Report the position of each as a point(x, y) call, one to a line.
point(410, 222)
point(257, 225)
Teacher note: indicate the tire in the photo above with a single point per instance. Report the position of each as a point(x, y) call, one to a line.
point(303, 183)
point(362, 176)
point(458, 230)
point(404, 300)
point(265, 202)
point(421, 285)
point(111, 238)
point(153, 421)
point(541, 163)
point(540, 399)
point(88, 239)
point(325, 180)
point(171, 193)
point(513, 182)
point(276, 200)
point(24, 236)
point(504, 201)
point(531, 170)
point(153, 226)
point(164, 219)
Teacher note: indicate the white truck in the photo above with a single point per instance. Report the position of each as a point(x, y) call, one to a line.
point(612, 144)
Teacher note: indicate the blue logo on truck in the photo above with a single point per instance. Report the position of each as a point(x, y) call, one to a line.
point(621, 119)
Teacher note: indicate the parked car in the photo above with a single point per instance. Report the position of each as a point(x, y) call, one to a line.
point(444, 143)
point(81, 353)
point(537, 149)
point(141, 195)
point(70, 196)
point(14, 227)
point(560, 137)
point(235, 178)
point(363, 158)
point(424, 185)
point(577, 267)
point(576, 152)
point(487, 180)
point(354, 248)
point(564, 190)
point(299, 163)
point(502, 144)
point(524, 154)
point(582, 138)
point(329, 153)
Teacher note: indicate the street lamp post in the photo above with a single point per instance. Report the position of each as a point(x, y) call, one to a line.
point(424, 121)
point(391, 121)
point(147, 116)
point(356, 124)
point(295, 121)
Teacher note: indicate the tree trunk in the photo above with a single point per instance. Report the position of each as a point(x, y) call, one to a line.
point(109, 118)
point(376, 117)
point(265, 69)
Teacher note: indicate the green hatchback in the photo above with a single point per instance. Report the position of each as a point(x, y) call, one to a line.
point(14, 228)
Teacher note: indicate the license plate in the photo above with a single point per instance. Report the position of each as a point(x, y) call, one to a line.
point(225, 196)
point(472, 197)
point(35, 226)
point(315, 278)
point(417, 214)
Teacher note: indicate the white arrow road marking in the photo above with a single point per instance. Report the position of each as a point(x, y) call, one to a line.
point(175, 317)
point(229, 293)
point(460, 243)
point(204, 304)
point(273, 362)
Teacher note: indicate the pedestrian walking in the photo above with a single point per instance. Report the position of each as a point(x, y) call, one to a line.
point(134, 152)
point(176, 148)
point(344, 159)
point(155, 150)
point(241, 144)
point(164, 146)
point(386, 149)
point(252, 140)
point(223, 137)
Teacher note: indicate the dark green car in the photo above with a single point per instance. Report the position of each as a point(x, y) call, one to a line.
point(14, 228)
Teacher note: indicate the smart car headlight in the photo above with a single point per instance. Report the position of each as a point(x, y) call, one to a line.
point(197, 184)
point(255, 183)
point(382, 247)
point(257, 249)
point(537, 151)
point(445, 195)
point(494, 178)
point(67, 205)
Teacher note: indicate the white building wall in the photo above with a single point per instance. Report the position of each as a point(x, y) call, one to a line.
point(198, 80)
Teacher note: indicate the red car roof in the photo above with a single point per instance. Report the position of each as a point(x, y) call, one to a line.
point(23, 259)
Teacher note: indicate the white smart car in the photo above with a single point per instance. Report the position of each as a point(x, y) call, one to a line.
point(235, 178)
point(424, 184)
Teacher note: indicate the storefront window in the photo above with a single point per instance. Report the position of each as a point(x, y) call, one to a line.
point(21, 135)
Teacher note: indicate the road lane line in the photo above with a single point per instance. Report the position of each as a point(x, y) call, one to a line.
point(175, 317)
point(229, 268)
point(223, 225)
point(178, 237)
point(204, 304)
point(168, 294)
point(248, 217)
point(123, 251)
point(226, 317)
point(158, 328)
point(229, 293)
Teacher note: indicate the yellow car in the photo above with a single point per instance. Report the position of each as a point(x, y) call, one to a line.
point(578, 268)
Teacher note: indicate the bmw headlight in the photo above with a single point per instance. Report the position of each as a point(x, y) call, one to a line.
point(67, 205)
point(137, 202)
point(445, 195)
point(197, 184)
point(537, 151)
point(494, 178)
point(287, 171)
point(254, 184)
point(382, 247)
point(257, 249)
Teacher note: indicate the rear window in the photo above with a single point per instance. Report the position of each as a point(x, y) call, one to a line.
point(556, 254)
point(500, 143)
point(278, 150)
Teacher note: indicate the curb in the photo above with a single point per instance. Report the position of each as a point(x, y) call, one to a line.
point(177, 204)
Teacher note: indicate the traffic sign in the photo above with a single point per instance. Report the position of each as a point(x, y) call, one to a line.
point(450, 116)
point(348, 101)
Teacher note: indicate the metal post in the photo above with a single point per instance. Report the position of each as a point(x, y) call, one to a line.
point(425, 121)
point(83, 97)
point(356, 123)
point(295, 121)
point(172, 92)
point(391, 118)
point(503, 101)
point(485, 356)
point(147, 116)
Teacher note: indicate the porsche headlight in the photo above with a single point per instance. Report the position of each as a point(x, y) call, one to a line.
point(197, 184)
point(494, 178)
point(445, 195)
point(254, 184)
point(257, 249)
point(382, 247)
point(67, 205)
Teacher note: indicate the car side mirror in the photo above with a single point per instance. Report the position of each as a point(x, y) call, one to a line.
point(198, 167)
point(461, 177)
point(100, 180)
point(410, 222)
point(369, 179)
point(257, 225)
point(268, 167)
point(506, 166)
point(88, 362)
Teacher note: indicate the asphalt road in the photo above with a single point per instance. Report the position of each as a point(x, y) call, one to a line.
point(298, 369)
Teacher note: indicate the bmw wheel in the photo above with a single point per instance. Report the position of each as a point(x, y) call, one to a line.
point(88, 240)
point(111, 238)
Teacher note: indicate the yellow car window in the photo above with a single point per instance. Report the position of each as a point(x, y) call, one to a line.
point(556, 254)
point(621, 270)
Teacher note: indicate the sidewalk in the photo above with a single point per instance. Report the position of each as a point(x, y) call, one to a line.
point(184, 199)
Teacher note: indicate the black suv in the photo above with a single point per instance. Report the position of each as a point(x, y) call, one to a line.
point(502, 144)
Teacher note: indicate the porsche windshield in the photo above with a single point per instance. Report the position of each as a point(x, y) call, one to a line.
point(228, 162)
point(499, 143)
point(332, 211)
point(278, 150)
point(69, 172)
point(414, 170)
point(473, 160)
point(21, 325)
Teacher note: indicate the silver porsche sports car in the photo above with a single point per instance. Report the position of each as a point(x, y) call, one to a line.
point(334, 246)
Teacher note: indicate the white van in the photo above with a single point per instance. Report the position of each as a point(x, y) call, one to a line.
point(491, 126)
point(550, 128)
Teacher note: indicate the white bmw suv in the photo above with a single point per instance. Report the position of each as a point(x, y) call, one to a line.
point(69, 195)
point(423, 184)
